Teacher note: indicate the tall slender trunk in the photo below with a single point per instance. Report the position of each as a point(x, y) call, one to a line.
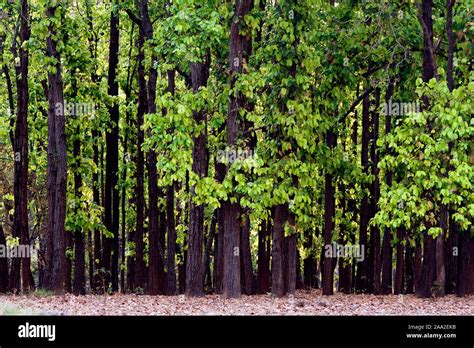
point(237, 57)
point(429, 71)
point(278, 279)
point(399, 269)
point(194, 262)
point(246, 258)
point(263, 261)
point(445, 257)
point(375, 232)
point(345, 269)
point(409, 266)
point(387, 236)
point(3, 265)
point(112, 199)
point(79, 247)
point(361, 276)
point(20, 184)
point(329, 211)
point(57, 170)
point(170, 220)
point(139, 263)
point(95, 278)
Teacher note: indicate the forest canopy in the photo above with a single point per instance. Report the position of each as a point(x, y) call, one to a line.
point(237, 147)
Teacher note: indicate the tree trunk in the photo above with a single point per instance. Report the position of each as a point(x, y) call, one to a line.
point(463, 263)
point(171, 263)
point(292, 255)
point(112, 199)
point(3, 265)
point(263, 262)
point(139, 263)
point(409, 266)
point(427, 275)
point(375, 232)
point(20, 184)
point(387, 236)
point(399, 274)
point(237, 54)
point(79, 247)
point(97, 262)
point(194, 264)
point(57, 170)
point(246, 258)
point(278, 279)
point(452, 254)
point(329, 211)
point(361, 276)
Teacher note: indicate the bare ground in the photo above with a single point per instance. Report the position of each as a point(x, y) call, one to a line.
point(303, 303)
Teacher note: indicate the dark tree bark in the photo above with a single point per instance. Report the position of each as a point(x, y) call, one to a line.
point(171, 258)
point(428, 273)
point(399, 269)
point(345, 269)
point(375, 232)
point(156, 272)
point(94, 252)
point(97, 262)
point(418, 262)
point(445, 213)
point(237, 55)
point(20, 183)
point(3, 265)
point(361, 276)
point(387, 236)
point(219, 252)
point(427, 276)
point(79, 246)
point(125, 160)
point(112, 199)
point(57, 170)
point(69, 261)
point(247, 275)
point(292, 256)
point(139, 263)
point(329, 211)
point(194, 264)
point(308, 263)
point(220, 172)
point(409, 266)
point(452, 255)
point(263, 261)
point(278, 272)
point(464, 260)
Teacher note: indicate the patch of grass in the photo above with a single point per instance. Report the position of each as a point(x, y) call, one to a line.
point(42, 293)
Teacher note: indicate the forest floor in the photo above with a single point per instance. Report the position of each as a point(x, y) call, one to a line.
point(303, 303)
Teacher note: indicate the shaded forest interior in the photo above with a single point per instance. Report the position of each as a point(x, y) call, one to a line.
point(237, 147)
